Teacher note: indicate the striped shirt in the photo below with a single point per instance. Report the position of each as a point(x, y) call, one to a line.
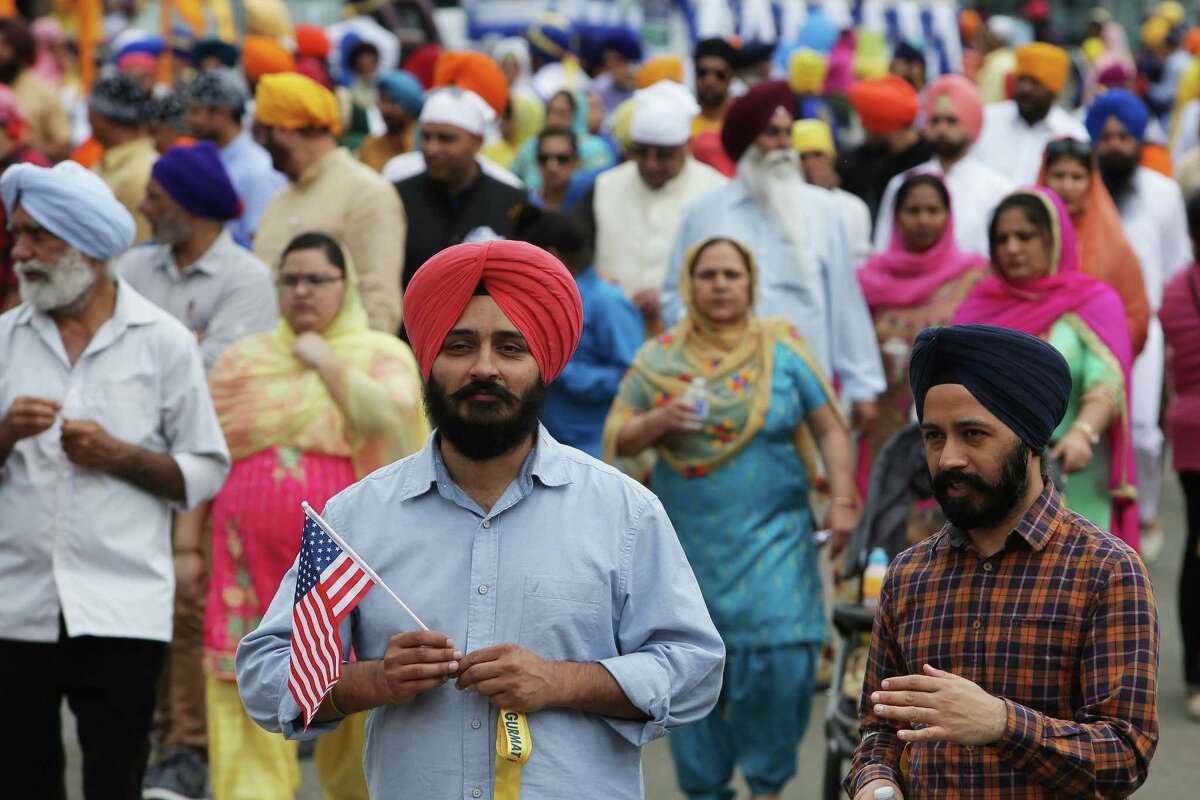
point(1061, 624)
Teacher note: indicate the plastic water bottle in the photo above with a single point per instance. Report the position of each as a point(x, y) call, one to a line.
point(697, 396)
point(885, 793)
point(877, 564)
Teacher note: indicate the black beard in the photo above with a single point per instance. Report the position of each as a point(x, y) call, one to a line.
point(947, 149)
point(998, 501)
point(1116, 170)
point(488, 430)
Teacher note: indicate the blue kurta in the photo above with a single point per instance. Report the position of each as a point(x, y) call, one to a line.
point(746, 526)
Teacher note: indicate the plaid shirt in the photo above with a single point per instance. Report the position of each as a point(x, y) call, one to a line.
point(1061, 624)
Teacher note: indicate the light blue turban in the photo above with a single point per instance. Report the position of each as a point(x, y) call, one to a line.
point(1126, 106)
point(73, 204)
point(403, 89)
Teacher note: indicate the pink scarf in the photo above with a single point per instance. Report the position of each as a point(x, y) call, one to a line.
point(900, 278)
point(1034, 306)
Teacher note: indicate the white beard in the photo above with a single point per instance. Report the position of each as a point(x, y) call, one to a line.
point(69, 280)
point(775, 183)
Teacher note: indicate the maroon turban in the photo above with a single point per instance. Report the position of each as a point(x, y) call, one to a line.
point(750, 113)
point(533, 289)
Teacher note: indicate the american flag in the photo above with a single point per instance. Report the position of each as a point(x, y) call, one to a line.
point(329, 585)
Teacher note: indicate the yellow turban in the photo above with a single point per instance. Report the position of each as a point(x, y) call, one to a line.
point(1154, 31)
point(622, 122)
point(806, 71)
point(1172, 12)
point(1093, 48)
point(809, 135)
point(290, 100)
point(870, 56)
point(1045, 63)
point(660, 68)
point(268, 18)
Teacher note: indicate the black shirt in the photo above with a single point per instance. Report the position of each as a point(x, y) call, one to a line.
point(866, 170)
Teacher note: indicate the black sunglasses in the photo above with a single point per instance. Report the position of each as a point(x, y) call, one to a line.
point(558, 158)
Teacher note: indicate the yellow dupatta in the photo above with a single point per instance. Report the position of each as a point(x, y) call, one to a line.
point(735, 360)
point(266, 397)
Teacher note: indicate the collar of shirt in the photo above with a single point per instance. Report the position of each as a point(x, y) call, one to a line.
point(208, 264)
point(545, 462)
point(131, 310)
point(1033, 530)
point(115, 158)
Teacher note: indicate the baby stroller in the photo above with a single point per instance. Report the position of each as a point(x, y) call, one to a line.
point(893, 517)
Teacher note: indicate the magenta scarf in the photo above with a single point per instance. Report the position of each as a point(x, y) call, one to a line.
point(1034, 306)
point(900, 278)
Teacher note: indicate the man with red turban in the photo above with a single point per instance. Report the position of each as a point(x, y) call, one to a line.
point(556, 587)
point(887, 108)
point(798, 239)
point(953, 114)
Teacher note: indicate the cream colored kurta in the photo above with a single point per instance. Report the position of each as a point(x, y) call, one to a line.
point(635, 226)
point(126, 169)
point(43, 110)
point(344, 198)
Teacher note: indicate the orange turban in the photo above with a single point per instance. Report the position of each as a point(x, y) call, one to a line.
point(292, 101)
point(313, 41)
point(884, 105)
point(533, 289)
point(1045, 63)
point(660, 68)
point(262, 55)
point(476, 72)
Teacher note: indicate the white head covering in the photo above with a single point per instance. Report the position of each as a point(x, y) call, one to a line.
point(663, 114)
point(459, 107)
point(72, 203)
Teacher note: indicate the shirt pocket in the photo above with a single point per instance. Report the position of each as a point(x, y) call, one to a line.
point(560, 617)
point(1039, 661)
point(128, 410)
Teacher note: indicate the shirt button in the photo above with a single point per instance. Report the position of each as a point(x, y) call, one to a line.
point(483, 588)
point(976, 624)
point(476, 724)
point(487, 523)
point(987, 567)
point(477, 792)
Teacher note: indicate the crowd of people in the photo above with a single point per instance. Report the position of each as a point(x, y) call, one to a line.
point(647, 323)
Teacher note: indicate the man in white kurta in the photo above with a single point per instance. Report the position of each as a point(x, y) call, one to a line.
point(1155, 221)
point(638, 205)
point(1015, 132)
point(813, 140)
point(953, 114)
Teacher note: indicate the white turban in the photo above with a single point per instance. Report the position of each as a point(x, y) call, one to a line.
point(663, 114)
point(458, 107)
point(72, 203)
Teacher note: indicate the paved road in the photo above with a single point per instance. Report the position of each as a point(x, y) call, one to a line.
point(1171, 774)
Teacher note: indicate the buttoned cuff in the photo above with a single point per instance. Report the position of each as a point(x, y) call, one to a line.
point(874, 772)
point(1022, 734)
point(202, 477)
point(291, 717)
point(647, 686)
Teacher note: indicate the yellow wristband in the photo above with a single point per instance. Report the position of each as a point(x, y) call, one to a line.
point(1088, 431)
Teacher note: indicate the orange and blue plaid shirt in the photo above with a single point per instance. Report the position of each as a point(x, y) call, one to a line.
point(1060, 624)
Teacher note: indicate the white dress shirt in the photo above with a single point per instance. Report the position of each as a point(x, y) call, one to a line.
point(80, 541)
point(856, 217)
point(1013, 147)
point(975, 191)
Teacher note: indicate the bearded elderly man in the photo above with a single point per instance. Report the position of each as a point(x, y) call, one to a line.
point(953, 113)
point(797, 236)
point(636, 207)
point(554, 584)
point(107, 426)
point(1015, 652)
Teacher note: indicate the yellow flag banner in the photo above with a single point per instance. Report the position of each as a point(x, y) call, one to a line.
point(514, 745)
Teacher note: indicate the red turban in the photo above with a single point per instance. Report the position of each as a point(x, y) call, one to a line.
point(533, 289)
point(421, 62)
point(312, 40)
point(468, 69)
point(885, 105)
point(749, 115)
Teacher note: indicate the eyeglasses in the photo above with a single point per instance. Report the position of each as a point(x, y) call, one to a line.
point(716, 72)
point(561, 159)
point(315, 281)
point(1059, 148)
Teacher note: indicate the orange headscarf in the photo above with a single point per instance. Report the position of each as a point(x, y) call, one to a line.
point(262, 55)
point(1105, 253)
point(476, 72)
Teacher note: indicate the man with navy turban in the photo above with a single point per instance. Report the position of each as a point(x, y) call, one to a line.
point(1016, 650)
point(1155, 223)
point(106, 427)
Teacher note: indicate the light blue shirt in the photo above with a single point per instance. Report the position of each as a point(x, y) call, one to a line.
point(256, 182)
point(832, 316)
point(575, 562)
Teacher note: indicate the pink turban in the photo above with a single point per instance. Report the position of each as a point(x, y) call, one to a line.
point(960, 96)
point(533, 289)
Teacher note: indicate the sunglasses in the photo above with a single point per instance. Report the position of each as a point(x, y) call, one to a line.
point(315, 281)
point(558, 158)
point(719, 74)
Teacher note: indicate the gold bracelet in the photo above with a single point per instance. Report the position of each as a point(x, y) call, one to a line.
point(1088, 431)
point(845, 500)
point(333, 703)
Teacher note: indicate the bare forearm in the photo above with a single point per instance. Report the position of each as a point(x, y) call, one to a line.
point(357, 690)
point(7, 443)
point(187, 530)
point(640, 432)
point(156, 473)
point(1097, 411)
point(839, 462)
point(590, 688)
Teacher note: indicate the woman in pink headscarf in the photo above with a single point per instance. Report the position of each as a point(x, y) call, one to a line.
point(918, 282)
point(1039, 289)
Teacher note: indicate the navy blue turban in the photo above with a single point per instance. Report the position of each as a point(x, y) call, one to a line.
point(1021, 379)
point(195, 178)
point(1123, 104)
